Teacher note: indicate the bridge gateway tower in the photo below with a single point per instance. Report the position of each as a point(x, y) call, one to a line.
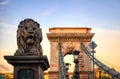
point(70, 38)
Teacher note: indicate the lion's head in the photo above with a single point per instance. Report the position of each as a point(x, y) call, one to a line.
point(29, 36)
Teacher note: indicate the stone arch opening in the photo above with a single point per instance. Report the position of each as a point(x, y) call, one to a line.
point(69, 59)
point(70, 38)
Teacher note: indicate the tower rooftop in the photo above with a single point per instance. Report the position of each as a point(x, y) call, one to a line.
point(69, 30)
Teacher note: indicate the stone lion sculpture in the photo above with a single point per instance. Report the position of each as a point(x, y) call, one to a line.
point(29, 37)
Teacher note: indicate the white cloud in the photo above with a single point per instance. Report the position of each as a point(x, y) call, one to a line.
point(3, 24)
point(4, 66)
point(2, 3)
point(48, 12)
point(6, 28)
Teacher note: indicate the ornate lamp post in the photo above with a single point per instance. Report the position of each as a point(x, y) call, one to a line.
point(76, 70)
point(67, 66)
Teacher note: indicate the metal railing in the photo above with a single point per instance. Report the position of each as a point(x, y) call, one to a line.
point(63, 74)
point(115, 74)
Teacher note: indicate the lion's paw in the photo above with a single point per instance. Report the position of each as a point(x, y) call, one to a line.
point(19, 52)
point(34, 51)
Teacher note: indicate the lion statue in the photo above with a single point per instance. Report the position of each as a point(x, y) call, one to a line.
point(29, 37)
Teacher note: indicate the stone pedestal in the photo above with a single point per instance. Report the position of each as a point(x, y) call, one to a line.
point(28, 67)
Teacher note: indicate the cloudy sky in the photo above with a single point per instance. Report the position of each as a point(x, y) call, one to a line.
point(103, 16)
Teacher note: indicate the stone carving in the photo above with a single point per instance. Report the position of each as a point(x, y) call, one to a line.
point(68, 37)
point(29, 37)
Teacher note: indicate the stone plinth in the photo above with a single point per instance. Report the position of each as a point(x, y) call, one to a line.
point(28, 67)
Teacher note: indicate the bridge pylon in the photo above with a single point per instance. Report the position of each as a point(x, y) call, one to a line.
point(70, 39)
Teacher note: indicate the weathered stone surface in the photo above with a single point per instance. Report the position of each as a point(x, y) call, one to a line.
point(54, 56)
point(70, 38)
point(69, 30)
point(53, 75)
point(29, 37)
point(28, 60)
point(28, 67)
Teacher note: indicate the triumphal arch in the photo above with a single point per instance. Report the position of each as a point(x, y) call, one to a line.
point(70, 38)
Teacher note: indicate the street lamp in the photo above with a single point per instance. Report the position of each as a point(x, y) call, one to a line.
point(76, 70)
point(67, 66)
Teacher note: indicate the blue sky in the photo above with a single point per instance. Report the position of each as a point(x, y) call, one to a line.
point(93, 13)
point(103, 16)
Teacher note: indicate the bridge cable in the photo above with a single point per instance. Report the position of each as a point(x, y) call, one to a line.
point(115, 74)
point(63, 74)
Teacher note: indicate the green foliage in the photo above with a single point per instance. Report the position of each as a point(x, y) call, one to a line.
point(106, 77)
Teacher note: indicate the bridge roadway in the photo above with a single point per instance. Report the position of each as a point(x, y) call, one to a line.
point(115, 74)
